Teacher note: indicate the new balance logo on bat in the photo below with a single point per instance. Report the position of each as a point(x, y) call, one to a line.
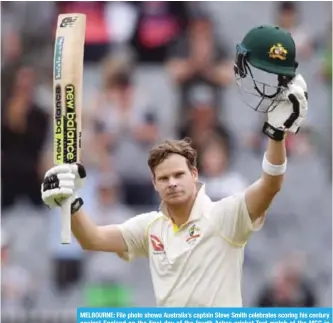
point(68, 22)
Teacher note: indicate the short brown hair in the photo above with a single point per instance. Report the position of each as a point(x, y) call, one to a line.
point(181, 147)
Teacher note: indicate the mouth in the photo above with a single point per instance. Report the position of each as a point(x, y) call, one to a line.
point(172, 194)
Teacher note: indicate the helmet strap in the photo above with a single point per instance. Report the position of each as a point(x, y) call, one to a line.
point(283, 80)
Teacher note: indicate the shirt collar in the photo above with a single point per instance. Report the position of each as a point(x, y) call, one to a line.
point(198, 205)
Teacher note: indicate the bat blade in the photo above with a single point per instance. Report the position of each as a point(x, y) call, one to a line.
point(67, 99)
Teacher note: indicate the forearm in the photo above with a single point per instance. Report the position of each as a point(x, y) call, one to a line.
point(286, 117)
point(220, 75)
point(260, 194)
point(275, 155)
point(180, 70)
point(107, 238)
point(84, 229)
point(276, 152)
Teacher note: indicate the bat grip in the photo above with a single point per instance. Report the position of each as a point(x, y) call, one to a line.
point(66, 230)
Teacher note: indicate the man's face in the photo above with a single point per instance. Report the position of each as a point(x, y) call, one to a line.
point(174, 181)
point(201, 27)
point(107, 196)
point(214, 160)
point(287, 18)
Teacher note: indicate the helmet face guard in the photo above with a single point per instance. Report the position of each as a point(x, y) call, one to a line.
point(261, 80)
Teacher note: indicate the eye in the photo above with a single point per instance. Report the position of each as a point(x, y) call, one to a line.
point(163, 179)
point(179, 174)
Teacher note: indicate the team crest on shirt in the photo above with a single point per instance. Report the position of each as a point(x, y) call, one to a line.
point(193, 234)
point(157, 244)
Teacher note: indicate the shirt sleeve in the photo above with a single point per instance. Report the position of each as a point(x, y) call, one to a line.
point(134, 232)
point(231, 217)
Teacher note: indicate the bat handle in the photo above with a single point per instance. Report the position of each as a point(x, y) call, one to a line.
point(66, 230)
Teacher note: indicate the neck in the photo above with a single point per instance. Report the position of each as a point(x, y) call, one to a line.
point(181, 213)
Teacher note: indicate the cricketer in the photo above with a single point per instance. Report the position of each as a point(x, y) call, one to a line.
point(195, 246)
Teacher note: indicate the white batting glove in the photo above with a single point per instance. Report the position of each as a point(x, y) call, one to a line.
point(289, 112)
point(62, 182)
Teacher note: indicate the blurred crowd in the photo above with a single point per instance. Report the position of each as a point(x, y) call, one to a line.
point(157, 70)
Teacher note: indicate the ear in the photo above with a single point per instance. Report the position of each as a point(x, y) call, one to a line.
point(195, 173)
point(153, 180)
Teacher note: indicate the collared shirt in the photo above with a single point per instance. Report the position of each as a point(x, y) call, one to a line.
point(200, 263)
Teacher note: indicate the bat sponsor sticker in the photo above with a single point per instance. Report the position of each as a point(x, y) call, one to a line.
point(70, 126)
point(59, 46)
point(58, 126)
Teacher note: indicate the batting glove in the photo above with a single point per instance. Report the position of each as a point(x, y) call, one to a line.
point(289, 112)
point(62, 182)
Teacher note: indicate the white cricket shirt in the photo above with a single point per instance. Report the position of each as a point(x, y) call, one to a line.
point(200, 263)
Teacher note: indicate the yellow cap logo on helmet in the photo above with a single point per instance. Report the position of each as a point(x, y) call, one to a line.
point(278, 52)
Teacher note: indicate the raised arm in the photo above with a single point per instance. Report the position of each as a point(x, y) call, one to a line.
point(260, 194)
point(128, 239)
point(287, 116)
point(237, 216)
point(97, 238)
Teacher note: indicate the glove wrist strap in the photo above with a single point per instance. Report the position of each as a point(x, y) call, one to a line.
point(273, 133)
point(76, 205)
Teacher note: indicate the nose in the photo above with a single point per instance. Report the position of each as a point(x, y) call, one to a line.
point(172, 182)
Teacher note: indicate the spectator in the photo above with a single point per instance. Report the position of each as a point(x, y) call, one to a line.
point(201, 120)
point(97, 41)
point(25, 34)
point(302, 145)
point(200, 63)
point(17, 287)
point(24, 128)
point(66, 261)
point(158, 24)
point(23, 40)
point(11, 42)
point(289, 287)
point(126, 126)
point(220, 179)
point(288, 17)
point(107, 273)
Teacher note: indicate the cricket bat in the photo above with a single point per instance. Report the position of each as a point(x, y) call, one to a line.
point(67, 100)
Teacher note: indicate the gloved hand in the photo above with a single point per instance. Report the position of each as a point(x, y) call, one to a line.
point(62, 182)
point(290, 110)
